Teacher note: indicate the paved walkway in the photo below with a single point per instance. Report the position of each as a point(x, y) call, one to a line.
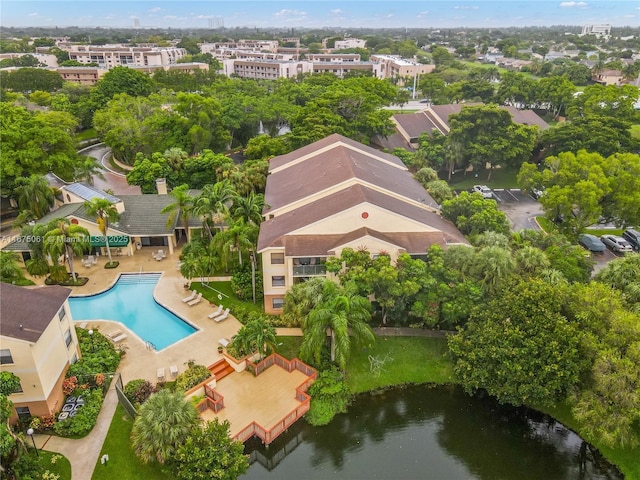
point(83, 453)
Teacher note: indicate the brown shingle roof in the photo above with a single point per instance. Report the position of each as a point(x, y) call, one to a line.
point(27, 312)
point(436, 117)
point(273, 229)
point(415, 243)
point(333, 167)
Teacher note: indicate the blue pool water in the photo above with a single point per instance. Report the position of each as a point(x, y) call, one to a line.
point(130, 301)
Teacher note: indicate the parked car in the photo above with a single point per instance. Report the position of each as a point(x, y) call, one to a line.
point(483, 190)
point(633, 237)
point(616, 243)
point(591, 243)
point(537, 192)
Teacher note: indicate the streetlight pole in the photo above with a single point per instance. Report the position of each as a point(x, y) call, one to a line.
point(253, 276)
point(91, 339)
point(30, 433)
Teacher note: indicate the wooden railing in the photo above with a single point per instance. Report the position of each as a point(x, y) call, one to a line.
point(254, 428)
point(216, 400)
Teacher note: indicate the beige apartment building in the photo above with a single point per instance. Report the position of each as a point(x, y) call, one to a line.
point(264, 69)
point(394, 66)
point(39, 343)
point(109, 56)
point(338, 193)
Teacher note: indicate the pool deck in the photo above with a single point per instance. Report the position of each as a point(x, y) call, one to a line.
point(140, 362)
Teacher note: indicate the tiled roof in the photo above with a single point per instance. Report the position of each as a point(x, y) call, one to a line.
point(26, 312)
point(87, 192)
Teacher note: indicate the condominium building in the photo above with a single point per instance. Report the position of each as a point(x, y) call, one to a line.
point(350, 43)
point(394, 66)
point(265, 69)
point(39, 343)
point(109, 56)
point(602, 30)
point(334, 194)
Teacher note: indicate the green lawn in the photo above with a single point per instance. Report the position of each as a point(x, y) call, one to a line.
point(211, 290)
point(288, 347)
point(408, 360)
point(500, 178)
point(59, 466)
point(88, 134)
point(123, 463)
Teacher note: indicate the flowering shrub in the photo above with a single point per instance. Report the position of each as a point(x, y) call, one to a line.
point(99, 379)
point(35, 423)
point(138, 391)
point(47, 421)
point(69, 385)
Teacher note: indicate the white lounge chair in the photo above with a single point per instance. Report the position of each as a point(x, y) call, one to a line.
point(173, 369)
point(190, 297)
point(222, 317)
point(217, 312)
point(162, 254)
point(195, 301)
point(161, 373)
point(113, 335)
point(224, 342)
point(119, 338)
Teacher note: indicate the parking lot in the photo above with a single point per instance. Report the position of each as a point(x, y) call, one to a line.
point(520, 208)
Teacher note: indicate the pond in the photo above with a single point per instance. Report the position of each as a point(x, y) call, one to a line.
point(427, 432)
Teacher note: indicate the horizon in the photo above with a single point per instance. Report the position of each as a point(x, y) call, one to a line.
point(317, 14)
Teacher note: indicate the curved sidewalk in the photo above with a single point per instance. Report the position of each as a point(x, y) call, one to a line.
point(83, 453)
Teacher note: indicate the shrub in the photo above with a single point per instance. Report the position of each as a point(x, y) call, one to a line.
point(69, 385)
point(192, 377)
point(98, 356)
point(85, 418)
point(138, 391)
point(330, 395)
point(241, 283)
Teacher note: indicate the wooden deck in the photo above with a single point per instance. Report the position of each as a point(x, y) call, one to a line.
point(265, 399)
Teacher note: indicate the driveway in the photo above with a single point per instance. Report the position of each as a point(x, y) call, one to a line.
point(114, 181)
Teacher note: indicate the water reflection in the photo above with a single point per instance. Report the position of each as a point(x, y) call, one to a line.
point(430, 432)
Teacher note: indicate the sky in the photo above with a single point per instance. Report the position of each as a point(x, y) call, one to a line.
point(318, 13)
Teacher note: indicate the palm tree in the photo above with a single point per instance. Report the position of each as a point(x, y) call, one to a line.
point(249, 208)
point(343, 309)
point(10, 271)
point(37, 265)
point(300, 299)
point(182, 206)
point(66, 239)
point(105, 212)
point(163, 423)
point(34, 195)
point(86, 170)
point(239, 236)
point(213, 204)
point(531, 260)
point(257, 335)
point(493, 266)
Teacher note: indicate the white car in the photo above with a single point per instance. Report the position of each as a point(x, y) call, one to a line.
point(483, 190)
point(616, 243)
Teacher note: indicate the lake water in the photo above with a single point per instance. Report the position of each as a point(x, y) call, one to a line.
point(425, 432)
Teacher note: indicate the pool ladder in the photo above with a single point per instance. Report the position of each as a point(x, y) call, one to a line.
point(150, 346)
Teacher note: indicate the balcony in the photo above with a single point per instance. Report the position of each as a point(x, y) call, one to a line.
point(309, 270)
point(309, 266)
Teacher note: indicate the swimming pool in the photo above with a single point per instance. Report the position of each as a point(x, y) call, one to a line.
point(130, 301)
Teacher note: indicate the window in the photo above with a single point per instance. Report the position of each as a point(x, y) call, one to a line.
point(23, 412)
point(277, 281)
point(67, 337)
point(62, 313)
point(277, 259)
point(277, 303)
point(74, 359)
point(5, 356)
